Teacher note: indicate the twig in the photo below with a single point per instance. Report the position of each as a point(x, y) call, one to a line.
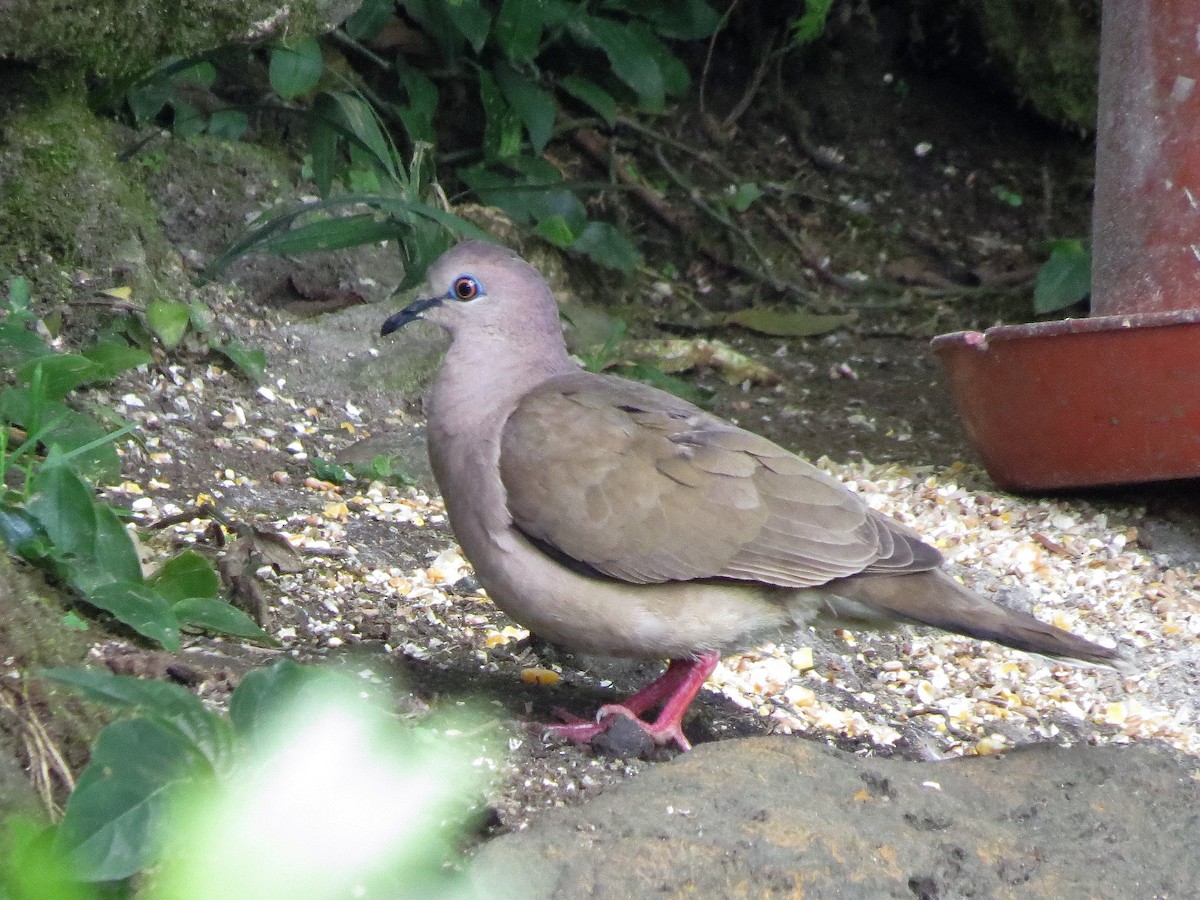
point(708, 57)
point(765, 275)
point(751, 91)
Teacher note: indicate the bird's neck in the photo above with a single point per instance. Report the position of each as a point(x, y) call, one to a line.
point(481, 382)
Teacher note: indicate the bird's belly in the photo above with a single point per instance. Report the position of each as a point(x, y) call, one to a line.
point(603, 615)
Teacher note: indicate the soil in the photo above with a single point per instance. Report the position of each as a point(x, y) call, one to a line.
point(941, 201)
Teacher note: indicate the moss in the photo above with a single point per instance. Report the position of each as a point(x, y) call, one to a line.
point(68, 203)
point(120, 37)
point(34, 637)
point(1050, 52)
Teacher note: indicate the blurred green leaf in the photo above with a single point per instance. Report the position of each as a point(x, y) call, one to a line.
point(1066, 277)
point(172, 704)
point(333, 233)
point(112, 823)
point(217, 615)
point(329, 471)
point(60, 373)
point(631, 60)
point(519, 28)
point(502, 126)
point(295, 68)
point(535, 107)
point(682, 20)
point(185, 575)
point(354, 119)
point(369, 19)
point(139, 607)
point(228, 124)
point(112, 357)
point(265, 692)
point(86, 535)
point(251, 363)
point(168, 320)
point(809, 26)
point(471, 19)
point(556, 230)
point(787, 323)
point(604, 244)
point(744, 195)
point(591, 94)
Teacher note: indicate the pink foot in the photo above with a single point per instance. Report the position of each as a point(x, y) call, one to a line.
point(674, 690)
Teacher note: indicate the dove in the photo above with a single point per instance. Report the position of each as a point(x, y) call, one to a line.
point(613, 518)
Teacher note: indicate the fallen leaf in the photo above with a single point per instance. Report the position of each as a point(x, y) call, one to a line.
point(789, 323)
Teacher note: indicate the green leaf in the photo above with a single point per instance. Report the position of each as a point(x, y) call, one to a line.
point(535, 107)
point(168, 320)
point(369, 19)
point(251, 363)
point(502, 126)
point(422, 92)
point(186, 575)
point(1066, 277)
point(264, 692)
point(334, 233)
point(20, 533)
point(519, 28)
point(676, 79)
point(216, 615)
point(744, 195)
point(112, 357)
point(84, 534)
point(556, 230)
point(19, 345)
point(681, 20)
point(591, 94)
point(808, 27)
point(140, 607)
point(607, 246)
point(322, 142)
point(354, 119)
point(170, 703)
point(472, 21)
point(60, 373)
point(790, 323)
point(295, 68)
point(631, 60)
point(530, 191)
point(228, 124)
point(112, 826)
point(329, 471)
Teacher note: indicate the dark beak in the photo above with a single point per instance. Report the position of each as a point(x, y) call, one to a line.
point(410, 313)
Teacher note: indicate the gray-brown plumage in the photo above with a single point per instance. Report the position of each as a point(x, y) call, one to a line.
point(615, 518)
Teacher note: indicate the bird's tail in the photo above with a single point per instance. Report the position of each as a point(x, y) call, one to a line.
point(934, 598)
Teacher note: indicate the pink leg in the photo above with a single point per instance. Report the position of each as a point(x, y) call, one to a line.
point(675, 690)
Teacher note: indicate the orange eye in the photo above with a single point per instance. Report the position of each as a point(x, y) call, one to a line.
point(465, 288)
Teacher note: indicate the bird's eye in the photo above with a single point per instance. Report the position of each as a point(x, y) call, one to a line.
point(465, 288)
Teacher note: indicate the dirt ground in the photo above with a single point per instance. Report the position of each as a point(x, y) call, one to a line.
point(919, 220)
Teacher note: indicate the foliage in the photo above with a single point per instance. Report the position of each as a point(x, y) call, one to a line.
point(524, 66)
point(611, 355)
point(809, 26)
point(1065, 278)
point(381, 468)
point(304, 789)
point(49, 513)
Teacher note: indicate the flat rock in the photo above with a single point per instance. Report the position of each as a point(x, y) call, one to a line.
point(786, 816)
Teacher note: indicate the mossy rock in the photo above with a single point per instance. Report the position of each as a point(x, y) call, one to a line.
point(1046, 53)
point(70, 211)
point(119, 37)
point(41, 726)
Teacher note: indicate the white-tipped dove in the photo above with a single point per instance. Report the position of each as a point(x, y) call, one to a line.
point(614, 518)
